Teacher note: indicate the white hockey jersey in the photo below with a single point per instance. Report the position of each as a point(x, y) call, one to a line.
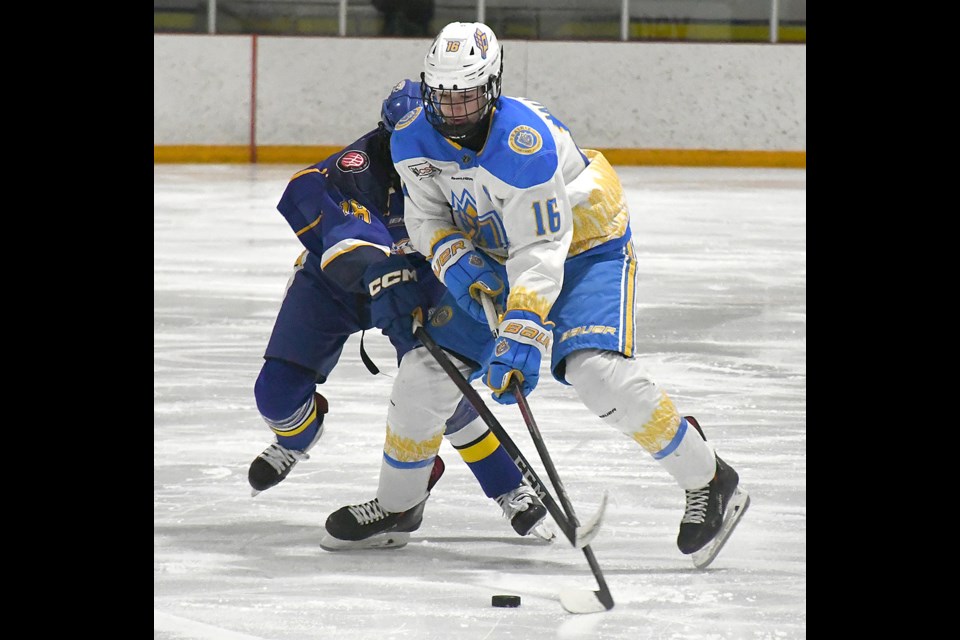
point(529, 198)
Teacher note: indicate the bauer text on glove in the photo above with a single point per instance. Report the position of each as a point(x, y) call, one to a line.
point(517, 355)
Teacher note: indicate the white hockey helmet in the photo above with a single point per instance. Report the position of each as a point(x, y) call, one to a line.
point(463, 67)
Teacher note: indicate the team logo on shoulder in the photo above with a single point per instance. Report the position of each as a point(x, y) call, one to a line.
point(441, 316)
point(353, 162)
point(424, 170)
point(525, 140)
point(409, 117)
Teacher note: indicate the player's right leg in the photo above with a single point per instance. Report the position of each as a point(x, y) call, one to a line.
point(421, 400)
point(496, 472)
point(314, 321)
point(287, 401)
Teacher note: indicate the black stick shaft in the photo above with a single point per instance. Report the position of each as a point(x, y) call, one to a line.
point(569, 530)
point(604, 594)
point(566, 519)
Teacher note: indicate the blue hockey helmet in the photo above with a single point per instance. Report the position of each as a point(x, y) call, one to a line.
point(404, 97)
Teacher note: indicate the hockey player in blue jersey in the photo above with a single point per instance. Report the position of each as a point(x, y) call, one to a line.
point(358, 272)
point(505, 204)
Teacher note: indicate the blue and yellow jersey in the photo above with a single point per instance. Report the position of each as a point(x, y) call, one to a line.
point(530, 198)
point(347, 210)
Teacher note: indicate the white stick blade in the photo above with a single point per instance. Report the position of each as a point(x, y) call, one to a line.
point(587, 531)
point(581, 601)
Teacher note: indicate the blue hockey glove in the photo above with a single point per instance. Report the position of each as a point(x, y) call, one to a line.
point(396, 297)
point(517, 354)
point(467, 275)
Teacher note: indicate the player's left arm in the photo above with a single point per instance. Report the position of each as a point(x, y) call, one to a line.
point(538, 223)
point(355, 237)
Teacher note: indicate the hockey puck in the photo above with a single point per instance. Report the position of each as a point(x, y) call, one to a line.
point(506, 601)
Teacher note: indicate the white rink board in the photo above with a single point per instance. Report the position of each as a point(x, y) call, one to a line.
point(623, 95)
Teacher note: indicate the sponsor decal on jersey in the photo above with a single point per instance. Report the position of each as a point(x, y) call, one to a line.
point(525, 140)
point(409, 117)
point(353, 162)
point(424, 170)
point(441, 316)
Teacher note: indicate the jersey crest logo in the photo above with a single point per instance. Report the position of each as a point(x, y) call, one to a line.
point(424, 170)
point(441, 316)
point(409, 117)
point(353, 162)
point(525, 140)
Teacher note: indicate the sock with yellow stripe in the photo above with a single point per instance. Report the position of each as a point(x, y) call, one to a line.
point(481, 450)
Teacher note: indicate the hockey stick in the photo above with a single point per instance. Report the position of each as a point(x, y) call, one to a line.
point(574, 601)
point(578, 535)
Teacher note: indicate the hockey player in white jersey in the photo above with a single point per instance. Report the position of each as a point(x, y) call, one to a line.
point(505, 204)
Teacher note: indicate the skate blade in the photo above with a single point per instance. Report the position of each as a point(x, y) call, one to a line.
point(735, 510)
point(544, 532)
point(391, 540)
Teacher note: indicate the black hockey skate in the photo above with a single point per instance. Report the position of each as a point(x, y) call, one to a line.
point(275, 463)
point(522, 507)
point(368, 526)
point(712, 512)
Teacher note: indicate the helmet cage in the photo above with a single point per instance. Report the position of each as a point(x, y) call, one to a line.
point(458, 113)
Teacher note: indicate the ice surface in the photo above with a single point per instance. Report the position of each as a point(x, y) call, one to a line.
point(722, 327)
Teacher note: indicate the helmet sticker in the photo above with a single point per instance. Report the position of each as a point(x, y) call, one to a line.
point(408, 118)
point(353, 162)
point(525, 140)
point(482, 43)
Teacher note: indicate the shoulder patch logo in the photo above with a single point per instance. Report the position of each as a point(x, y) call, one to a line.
point(408, 118)
point(353, 162)
point(424, 170)
point(525, 140)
